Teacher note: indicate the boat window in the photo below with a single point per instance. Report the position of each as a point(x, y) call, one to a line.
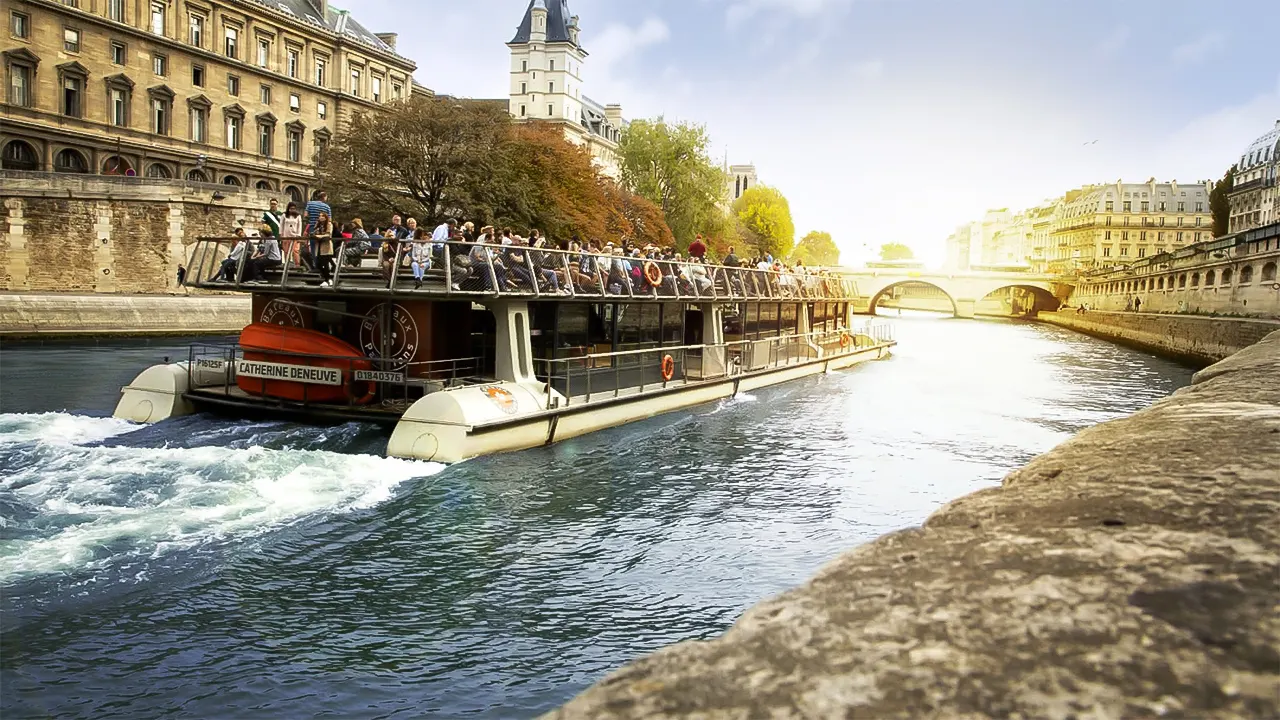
point(672, 324)
point(789, 325)
point(769, 320)
point(638, 326)
point(543, 333)
point(751, 321)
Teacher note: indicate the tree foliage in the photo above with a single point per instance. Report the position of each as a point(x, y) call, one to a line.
point(1220, 203)
point(764, 217)
point(896, 251)
point(670, 166)
point(436, 158)
point(427, 157)
point(817, 248)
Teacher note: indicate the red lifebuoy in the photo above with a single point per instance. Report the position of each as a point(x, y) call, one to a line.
point(845, 341)
point(370, 395)
point(653, 273)
point(668, 367)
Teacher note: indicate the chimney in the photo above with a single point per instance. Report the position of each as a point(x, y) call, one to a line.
point(389, 39)
point(613, 113)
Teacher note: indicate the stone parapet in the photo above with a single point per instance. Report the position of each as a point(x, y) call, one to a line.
point(1134, 571)
point(1193, 338)
point(54, 315)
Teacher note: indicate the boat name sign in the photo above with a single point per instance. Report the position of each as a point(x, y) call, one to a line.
point(296, 373)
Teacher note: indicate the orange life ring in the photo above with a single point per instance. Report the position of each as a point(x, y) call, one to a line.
point(653, 274)
point(668, 367)
point(845, 340)
point(370, 395)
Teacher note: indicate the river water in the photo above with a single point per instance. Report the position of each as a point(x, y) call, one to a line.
point(208, 568)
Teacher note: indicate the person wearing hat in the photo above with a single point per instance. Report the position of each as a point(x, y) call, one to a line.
point(697, 248)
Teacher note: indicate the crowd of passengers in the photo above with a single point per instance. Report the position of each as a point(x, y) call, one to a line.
point(307, 239)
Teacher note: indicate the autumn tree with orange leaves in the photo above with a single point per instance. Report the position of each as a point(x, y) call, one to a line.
point(435, 158)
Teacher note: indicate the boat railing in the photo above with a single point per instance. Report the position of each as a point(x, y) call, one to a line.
point(474, 270)
point(394, 383)
point(595, 377)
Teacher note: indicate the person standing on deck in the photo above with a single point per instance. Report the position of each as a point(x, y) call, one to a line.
point(272, 219)
point(441, 235)
point(314, 208)
point(698, 248)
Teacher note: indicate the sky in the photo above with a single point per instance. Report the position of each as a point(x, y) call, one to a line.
point(898, 120)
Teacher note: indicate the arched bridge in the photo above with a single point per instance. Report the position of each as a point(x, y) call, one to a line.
point(965, 289)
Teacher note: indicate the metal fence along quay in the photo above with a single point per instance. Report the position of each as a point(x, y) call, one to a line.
point(475, 270)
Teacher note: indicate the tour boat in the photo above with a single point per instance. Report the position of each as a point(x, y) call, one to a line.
point(501, 348)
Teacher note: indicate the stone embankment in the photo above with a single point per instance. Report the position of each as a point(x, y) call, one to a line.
point(1195, 338)
point(31, 315)
point(1132, 572)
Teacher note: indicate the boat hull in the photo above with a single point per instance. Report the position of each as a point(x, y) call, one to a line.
point(452, 427)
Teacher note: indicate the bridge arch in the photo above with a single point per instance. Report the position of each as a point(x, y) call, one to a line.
point(1042, 296)
point(889, 287)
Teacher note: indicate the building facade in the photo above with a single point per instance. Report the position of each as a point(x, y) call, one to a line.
point(547, 64)
point(1101, 226)
point(233, 92)
point(1232, 275)
point(1255, 199)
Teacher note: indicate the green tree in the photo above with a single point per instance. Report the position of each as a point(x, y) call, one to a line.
point(1220, 203)
point(426, 157)
point(764, 216)
point(670, 166)
point(896, 251)
point(817, 248)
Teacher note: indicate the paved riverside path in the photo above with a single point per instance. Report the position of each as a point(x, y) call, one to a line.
point(1134, 571)
point(43, 315)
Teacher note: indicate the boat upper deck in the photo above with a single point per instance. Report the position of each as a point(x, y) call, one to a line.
point(466, 270)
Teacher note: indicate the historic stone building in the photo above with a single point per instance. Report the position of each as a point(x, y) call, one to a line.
point(739, 179)
point(1255, 200)
point(547, 82)
point(233, 92)
point(1100, 226)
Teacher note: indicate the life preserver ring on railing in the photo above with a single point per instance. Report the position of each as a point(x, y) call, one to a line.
point(653, 273)
point(668, 368)
point(370, 395)
point(845, 340)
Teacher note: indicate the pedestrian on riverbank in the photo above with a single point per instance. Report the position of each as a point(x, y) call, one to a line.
point(1137, 304)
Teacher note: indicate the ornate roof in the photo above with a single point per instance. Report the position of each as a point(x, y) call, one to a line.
point(338, 22)
point(1263, 150)
point(558, 21)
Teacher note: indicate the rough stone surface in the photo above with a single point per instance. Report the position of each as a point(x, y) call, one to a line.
point(1196, 338)
point(1132, 572)
point(70, 315)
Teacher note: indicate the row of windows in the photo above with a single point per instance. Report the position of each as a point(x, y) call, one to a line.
point(1161, 237)
point(1211, 278)
point(1146, 206)
point(20, 155)
point(20, 27)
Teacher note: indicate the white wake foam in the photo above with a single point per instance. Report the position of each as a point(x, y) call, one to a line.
point(100, 502)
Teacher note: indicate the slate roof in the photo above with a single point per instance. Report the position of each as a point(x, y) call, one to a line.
point(338, 21)
point(558, 17)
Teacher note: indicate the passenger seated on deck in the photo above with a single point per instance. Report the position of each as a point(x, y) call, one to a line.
point(227, 271)
point(518, 265)
point(485, 266)
point(266, 258)
point(387, 254)
point(419, 257)
point(583, 268)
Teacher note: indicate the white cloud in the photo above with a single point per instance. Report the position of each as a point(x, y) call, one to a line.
point(1197, 50)
point(740, 11)
point(618, 41)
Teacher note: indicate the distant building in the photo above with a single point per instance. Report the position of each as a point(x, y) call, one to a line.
point(1255, 200)
point(1100, 226)
point(233, 92)
point(547, 82)
point(739, 178)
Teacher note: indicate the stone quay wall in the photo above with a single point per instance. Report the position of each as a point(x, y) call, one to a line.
point(64, 315)
point(1134, 571)
point(1196, 339)
point(100, 234)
